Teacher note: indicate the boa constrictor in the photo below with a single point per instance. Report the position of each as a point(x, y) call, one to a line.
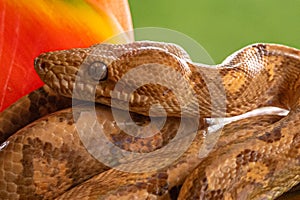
point(43, 156)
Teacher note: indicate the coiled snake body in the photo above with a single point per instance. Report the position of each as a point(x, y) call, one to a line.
point(253, 158)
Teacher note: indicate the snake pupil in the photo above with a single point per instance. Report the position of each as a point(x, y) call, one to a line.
point(98, 71)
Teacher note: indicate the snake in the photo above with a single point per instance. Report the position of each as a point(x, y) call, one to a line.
point(43, 156)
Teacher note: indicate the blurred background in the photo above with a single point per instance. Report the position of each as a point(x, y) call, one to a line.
point(223, 27)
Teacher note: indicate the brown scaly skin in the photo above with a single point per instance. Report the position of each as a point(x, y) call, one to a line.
point(261, 167)
point(47, 161)
point(256, 76)
point(162, 183)
point(47, 157)
point(29, 108)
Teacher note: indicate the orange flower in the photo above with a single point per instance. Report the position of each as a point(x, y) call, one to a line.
point(31, 27)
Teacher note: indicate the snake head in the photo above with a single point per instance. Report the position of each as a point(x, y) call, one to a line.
point(124, 72)
point(77, 72)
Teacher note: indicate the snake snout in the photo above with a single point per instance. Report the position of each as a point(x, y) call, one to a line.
point(36, 61)
point(39, 65)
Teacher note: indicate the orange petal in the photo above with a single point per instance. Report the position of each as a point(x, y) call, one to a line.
point(31, 27)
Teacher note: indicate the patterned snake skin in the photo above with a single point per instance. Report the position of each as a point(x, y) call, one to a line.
point(44, 154)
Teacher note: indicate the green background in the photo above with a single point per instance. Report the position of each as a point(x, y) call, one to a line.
point(223, 26)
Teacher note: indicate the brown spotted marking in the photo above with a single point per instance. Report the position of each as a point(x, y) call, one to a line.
point(257, 167)
point(46, 168)
point(273, 136)
point(55, 170)
point(159, 139)
point(29, 108)
point(294, 152)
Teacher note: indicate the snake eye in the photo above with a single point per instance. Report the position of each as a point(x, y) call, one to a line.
point(98, 71)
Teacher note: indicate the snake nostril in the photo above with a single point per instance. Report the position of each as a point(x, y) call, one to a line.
point(41, 66)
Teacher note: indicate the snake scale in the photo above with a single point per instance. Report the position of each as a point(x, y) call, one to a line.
point(43, 157)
